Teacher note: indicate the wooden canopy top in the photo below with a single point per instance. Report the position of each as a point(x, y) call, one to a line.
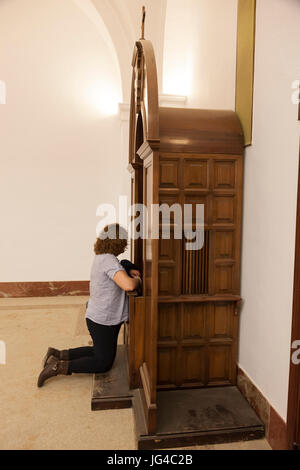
point(200, 130)
point(175, 129)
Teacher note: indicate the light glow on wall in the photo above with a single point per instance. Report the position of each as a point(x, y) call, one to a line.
point(177, 78)
point(104, 93)
point(2, 92)
point(178, 62)
point(104, 97)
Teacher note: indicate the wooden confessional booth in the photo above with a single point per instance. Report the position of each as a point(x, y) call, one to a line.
point(183, 329)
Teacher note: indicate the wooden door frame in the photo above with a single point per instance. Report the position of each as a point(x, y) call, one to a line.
point(293, 415)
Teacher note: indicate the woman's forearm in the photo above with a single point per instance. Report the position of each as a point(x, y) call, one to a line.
point(126, 282)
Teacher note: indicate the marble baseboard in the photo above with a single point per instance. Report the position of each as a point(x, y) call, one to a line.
point(43, 289)
point(276, 431)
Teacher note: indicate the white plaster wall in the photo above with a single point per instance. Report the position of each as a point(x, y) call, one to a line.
point(66, 65)
point(60, 138)
point(200, 52)
point(271, 171)
point(123, 19)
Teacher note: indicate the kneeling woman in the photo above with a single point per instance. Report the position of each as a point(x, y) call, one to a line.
point(107, 310)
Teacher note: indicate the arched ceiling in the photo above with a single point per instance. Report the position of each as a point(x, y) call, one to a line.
point(122, 21)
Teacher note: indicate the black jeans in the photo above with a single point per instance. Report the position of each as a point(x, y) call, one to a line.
point(99, 357)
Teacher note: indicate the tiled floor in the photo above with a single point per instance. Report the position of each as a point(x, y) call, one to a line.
point(57, 416)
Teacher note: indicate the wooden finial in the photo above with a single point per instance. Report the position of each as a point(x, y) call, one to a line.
point(143, 22)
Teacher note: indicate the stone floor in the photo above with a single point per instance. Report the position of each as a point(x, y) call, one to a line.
point(57, 416)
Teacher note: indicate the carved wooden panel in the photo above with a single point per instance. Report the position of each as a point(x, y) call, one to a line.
point(198, 337)
point(219, 360)
point(167, 344)
point(166, 366)
point(166, 280)
point(136, 340)
point(167, 325)
point(224, 176)
point(196, 340)
point(167, 250)
point(169, 200)
point(198, 198)
point(169, 265)
point(224, 278)
point(194, 320)
point(223, 210)
point(195, 174)
point(168, 174)
point(221, 321)
point(193, 366)
point(224, 244)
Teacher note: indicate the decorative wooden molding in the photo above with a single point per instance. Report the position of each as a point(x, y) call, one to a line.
point(201, 298)
point(144, 95)
point(245, 65)
point(147, 148)
point(43, 289)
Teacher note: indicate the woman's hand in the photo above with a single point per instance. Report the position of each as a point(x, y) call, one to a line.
point(134, 273)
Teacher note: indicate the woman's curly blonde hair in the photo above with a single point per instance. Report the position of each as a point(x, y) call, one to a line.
point(112, 240)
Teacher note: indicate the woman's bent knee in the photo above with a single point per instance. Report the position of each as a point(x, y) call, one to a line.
point(103, 367)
